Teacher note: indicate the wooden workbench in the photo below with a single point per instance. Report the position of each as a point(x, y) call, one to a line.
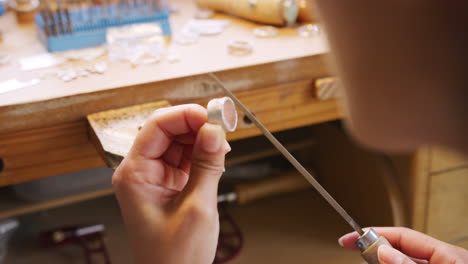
point(50, 117)
point(44, 132)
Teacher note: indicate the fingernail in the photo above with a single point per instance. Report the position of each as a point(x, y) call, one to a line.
point(388, 255)
point(212, 138)
point(340, 241)
point(227, 147)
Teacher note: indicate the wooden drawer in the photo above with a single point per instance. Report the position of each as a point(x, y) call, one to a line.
point(447, 206)
point(40, 153)
point(443, 159)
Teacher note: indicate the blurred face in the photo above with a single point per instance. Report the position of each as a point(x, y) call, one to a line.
point(404, 68)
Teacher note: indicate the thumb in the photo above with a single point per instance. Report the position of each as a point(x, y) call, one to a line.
point(207, 162)
point(389, 255)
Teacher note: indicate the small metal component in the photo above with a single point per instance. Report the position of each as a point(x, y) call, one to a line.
point(240, 48)
point(204, 13)
point(45, 18)
point(67, 75)
point(4, 59)
point(338, 208)
point(69, 22)
point(369, 243)
point(368, 238)
point(309, 30)
point(222, 111)
point(58, 236)
point(228, 197)
point(173, 55)
point(7, 228)
point(91, 8)
point(104, 11)
point(100, 67)
point(58, 12)
point(265, 32)
point(50, 14)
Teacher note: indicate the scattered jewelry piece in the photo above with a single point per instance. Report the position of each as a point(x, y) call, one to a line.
point(83, 73)
point(222, 111)
point(309, 30)
point(265, 32)
point(173, 55)
point(14, 84)
point(205, 27)
point(85, 54)
point(186, 40)
point(4, 59)
point(67, 75)
point(151, 60)
point(195, 28)
point(240, 48)
point(100, 67)
point(136, 44)
point(204, 13)
point(39, 61)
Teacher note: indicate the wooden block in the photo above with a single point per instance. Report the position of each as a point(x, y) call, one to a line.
point(327, 88)
point(114, 131)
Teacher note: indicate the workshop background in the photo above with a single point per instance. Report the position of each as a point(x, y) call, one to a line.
point(79, 77)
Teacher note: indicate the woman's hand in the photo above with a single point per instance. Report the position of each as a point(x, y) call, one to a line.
point(416, 247)
point(167, 187)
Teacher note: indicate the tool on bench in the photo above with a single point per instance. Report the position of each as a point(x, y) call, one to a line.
point(89, 237)
point(58, 13)
point(369, 241)
point(246, 192)
point(69, 23)
point(51, 18)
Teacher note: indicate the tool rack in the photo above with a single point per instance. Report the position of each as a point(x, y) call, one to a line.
point(87, 28)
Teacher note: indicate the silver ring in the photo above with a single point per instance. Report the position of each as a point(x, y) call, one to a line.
point(240, 47)
point(265, 32)
point(222, 111)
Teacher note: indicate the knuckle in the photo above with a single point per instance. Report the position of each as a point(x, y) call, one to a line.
point(198, 212)
point(408, 261)
point(123, 174)
point(209, 166)
point(195, 107)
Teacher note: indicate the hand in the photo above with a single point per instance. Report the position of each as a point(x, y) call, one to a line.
point(167, 187)
point(417, 247)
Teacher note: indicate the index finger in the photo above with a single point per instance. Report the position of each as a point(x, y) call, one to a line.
point(159, 130)
point(410, 242)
